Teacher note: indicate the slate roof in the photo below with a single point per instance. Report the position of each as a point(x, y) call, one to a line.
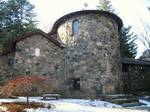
point(30, 34)
point(131, 61)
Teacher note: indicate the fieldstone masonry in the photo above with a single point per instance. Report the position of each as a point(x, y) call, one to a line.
point(90, 59)
point(49, 62)
point(93, 54)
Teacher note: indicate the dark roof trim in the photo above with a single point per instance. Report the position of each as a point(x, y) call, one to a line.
point(28, 35)
point(85, 12)
point(130, 61)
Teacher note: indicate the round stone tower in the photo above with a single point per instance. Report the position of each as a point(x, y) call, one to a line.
point(92, 53)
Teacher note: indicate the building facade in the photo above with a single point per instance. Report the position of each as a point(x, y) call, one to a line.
point(92, 55)
point(81, 51)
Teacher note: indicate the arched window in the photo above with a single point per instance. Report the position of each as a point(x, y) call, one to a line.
point(75, 27)
point(37, 52)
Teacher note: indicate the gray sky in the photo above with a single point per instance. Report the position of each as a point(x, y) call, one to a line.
point(147, 2)
point(130, 11)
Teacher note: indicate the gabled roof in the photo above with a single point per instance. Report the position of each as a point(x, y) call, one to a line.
point(85, 12)
point(40, 32)
point(130, 61)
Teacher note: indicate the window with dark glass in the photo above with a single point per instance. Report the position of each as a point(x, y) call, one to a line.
point(75, 27)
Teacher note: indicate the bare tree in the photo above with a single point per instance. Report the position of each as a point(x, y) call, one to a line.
point(145, 35)
point(47, 26)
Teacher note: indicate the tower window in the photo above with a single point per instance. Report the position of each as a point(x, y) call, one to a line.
point(75, 27)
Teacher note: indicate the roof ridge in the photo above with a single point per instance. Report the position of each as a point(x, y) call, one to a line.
point(29, 34)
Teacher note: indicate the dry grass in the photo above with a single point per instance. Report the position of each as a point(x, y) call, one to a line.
point(20, 106)
point(28, 86)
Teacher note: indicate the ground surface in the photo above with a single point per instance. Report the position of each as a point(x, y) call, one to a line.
point(75, 105)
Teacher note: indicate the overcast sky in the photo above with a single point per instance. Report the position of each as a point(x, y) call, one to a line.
point(130, 11)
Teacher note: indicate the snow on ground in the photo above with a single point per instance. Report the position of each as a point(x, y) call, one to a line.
point(74, 105)
point(145, 102)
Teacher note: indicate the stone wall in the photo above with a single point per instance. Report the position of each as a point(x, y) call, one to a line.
point(136, 79)
point(93, 54)
point(89, 65)
point(48, 61)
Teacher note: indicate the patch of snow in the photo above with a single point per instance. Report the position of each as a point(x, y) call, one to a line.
point(83, 102)
point(3, 108)
point(145, 102)
point(9, 100)
point(83, 109)
point(74, 105)
point(82, 105)
point(93, 103)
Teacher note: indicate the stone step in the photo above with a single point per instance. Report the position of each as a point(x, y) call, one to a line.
point(124, 100)
point(132, 104)
point(118, 96)
point(140, 108)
